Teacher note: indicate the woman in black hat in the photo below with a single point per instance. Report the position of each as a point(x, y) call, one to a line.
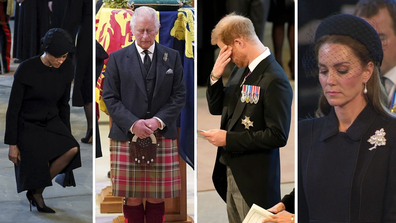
point(38, 119)
point(347, 168)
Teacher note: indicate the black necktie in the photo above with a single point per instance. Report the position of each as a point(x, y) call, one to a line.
point(147, 60)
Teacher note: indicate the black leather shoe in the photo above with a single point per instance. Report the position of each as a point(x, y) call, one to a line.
point(88, 137)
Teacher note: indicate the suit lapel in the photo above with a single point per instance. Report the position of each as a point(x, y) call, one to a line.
point(235, 83)
point(133, 68)
point(254, 79)
point(161, 68)
point(240, 106)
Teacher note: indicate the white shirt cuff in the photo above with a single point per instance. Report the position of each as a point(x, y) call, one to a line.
point(162, 126)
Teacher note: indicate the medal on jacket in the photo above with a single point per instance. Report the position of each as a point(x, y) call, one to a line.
point(243, 96)
point(165, 58)
point(255, 94)
point(247, 123)
point(250, 94)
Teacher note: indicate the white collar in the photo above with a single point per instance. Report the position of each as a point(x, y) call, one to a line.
point(260, 58)
point(150, 49)
point(391, 75)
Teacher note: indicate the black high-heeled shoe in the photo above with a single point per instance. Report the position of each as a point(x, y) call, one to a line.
point(88, 137)
point(29, 196)
point(33, 202)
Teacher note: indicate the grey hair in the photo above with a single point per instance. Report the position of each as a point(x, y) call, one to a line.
point(146, 12)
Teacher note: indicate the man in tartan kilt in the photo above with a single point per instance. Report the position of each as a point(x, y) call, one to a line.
point(144, 93)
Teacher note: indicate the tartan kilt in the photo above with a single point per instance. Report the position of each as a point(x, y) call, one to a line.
point(158, 180)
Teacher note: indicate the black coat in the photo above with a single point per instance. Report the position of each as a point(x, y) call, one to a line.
point(31, 24)
point(340, 179)
point(38, 121)
point(253, 155)
point(78, 23)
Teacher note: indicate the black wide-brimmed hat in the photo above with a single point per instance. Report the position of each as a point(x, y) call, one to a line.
point(57, 42)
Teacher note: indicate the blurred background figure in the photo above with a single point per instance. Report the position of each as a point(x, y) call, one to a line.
point(31, 23)
point(256, 10)
point(281, 13)
point(57, 9)
point(78, 22)
point(381, 14)
point(6, 9)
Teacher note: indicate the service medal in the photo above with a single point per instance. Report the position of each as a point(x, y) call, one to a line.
point(256, 96)
point(247, 123)
point(248, 93)
point(243, 96)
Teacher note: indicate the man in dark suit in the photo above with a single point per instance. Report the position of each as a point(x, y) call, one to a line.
point(144, 93)
point(381, 15)
point(255, 105)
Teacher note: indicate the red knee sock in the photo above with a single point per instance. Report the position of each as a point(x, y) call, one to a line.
point(155, 213)
point(133, 214)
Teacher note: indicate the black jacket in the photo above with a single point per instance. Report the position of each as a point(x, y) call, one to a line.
point(253, 155)
point(340, 178)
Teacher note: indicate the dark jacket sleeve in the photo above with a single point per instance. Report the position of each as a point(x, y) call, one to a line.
point(14, 108)
point(215, 97)
point(288, 201)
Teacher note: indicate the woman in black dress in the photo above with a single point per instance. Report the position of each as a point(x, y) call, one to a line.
point(38, 119)
point(347, 168)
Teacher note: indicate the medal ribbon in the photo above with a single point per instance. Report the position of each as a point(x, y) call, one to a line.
point(244, 79)
point(393, 105)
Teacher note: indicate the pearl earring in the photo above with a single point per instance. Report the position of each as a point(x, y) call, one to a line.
point(365, 88)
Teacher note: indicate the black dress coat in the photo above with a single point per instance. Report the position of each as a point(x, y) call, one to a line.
point(253, 155)
point(31, 24)
point(78, 23)
point(38, 121)
point(126, 95)
point(340, 178)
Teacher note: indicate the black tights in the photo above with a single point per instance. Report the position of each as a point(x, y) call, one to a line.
point(56, 167)
point(88, 115)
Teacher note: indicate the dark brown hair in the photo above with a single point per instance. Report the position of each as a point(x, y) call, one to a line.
point(370, 8)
